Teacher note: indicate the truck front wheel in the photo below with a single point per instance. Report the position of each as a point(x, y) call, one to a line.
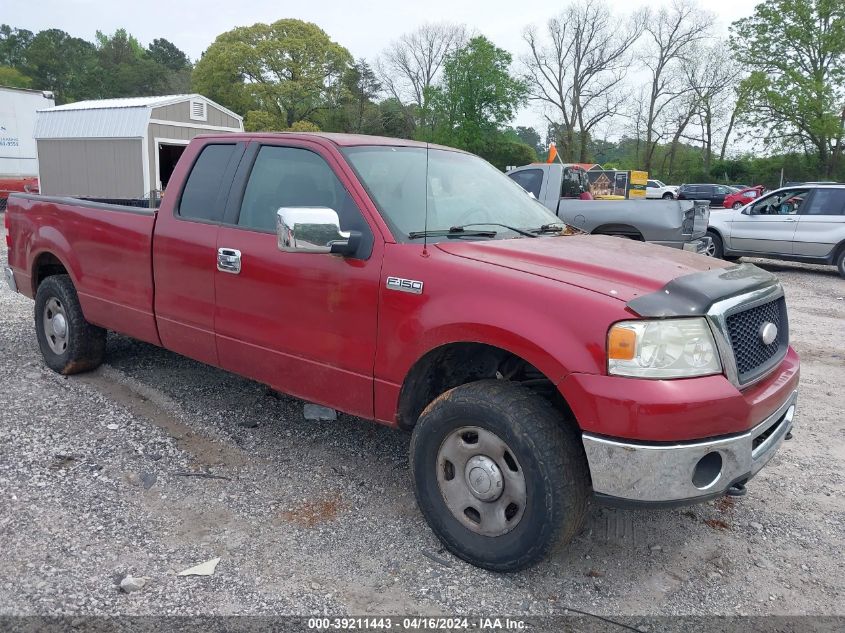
point(500, 477)
point(68, 342)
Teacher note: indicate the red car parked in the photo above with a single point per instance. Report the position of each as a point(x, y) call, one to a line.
point(743, 197)
point(13, 184)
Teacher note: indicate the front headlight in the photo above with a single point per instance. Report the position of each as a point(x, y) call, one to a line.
point(666, 348)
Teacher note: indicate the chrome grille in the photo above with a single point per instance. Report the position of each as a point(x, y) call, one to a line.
point(753, 357)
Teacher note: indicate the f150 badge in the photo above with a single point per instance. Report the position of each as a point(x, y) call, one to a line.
point(405, 285)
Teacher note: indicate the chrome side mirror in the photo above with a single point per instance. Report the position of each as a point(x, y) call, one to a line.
point(313, 230)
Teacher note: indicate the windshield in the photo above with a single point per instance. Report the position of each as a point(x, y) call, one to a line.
point(462, 189)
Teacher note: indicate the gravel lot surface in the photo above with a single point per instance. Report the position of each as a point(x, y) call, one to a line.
point(155, 463)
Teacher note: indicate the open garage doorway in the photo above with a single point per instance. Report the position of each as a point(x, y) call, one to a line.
point(168, 153)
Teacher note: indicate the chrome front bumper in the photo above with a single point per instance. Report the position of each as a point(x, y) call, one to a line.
point(10, 278)
point(684, 472)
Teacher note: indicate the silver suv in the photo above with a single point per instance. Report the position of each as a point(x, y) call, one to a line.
point(804, 223)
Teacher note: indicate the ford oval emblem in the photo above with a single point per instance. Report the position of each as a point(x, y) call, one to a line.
point(768, 333)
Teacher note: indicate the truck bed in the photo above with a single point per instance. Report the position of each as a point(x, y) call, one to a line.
point(106, 249)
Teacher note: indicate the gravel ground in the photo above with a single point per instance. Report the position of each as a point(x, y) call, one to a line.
point(98, 480)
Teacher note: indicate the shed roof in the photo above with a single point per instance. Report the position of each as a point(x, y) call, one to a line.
point(107, 118)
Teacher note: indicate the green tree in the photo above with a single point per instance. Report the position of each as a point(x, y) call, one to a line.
point(167, 54)
point(13, 45)
point(66, 65)
point(14, 78)
point(179, 67)
point(530, 137)
point(796, 50)
point(127, 69)
point(397, 119)
point(262, 121)
point(362, 88)
point(290, 69)
point(503, 152)
point(476, 97)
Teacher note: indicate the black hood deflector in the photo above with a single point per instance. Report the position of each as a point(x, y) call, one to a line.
point(696, 293)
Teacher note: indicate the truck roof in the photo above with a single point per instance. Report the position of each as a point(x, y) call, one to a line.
point(341, 140)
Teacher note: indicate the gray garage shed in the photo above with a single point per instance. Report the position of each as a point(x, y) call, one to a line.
point(121, 148)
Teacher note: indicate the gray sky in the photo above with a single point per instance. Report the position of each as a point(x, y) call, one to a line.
point(364, 27)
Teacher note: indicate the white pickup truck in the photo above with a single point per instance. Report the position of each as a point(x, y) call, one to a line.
point(657, 190)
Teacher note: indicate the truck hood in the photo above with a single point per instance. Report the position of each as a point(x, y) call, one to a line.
point(613, 266)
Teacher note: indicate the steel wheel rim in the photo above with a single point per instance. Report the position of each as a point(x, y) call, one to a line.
point(56, 329)
point(481, 481)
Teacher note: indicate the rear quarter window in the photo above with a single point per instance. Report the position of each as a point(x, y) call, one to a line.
point(199, 196)
point(826, 202)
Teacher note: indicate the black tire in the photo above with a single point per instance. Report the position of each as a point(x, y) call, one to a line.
point(668, 196)
point(718, 250)
point(544, 446)
point(840, 262)
point(84, 344)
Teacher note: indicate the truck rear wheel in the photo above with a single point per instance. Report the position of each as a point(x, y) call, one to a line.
point(68, 342)
point(500, 477)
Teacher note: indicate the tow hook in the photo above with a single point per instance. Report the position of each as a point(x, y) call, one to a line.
point(737, 490)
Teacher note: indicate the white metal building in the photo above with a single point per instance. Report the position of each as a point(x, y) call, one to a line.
point(122, 148)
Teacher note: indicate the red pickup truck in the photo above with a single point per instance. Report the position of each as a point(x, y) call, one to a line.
point(417, 286)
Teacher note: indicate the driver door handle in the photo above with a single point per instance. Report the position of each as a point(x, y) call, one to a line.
point(229, 260)
point(791, 219)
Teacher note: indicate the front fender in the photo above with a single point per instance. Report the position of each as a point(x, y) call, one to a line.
point(556, 327)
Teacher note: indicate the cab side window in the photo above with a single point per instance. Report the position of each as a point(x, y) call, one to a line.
point(786, 202)
point(296, 177)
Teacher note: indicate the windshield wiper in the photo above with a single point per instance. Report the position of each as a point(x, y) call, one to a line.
point(455, 231)
point(504, 226)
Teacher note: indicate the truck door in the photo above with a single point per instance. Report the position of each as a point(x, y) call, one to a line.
point(304, 323)
point(818, 221)
point(768, 225)
point(184, 249)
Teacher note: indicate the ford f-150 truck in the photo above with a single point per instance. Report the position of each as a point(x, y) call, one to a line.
point(417, 286)
point(666, 222)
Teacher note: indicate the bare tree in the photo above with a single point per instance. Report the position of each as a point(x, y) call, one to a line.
point(577, 66)
point(683, 112)
point(411, 64)
point(740, 104)
point(710, 74)
point(671, 36)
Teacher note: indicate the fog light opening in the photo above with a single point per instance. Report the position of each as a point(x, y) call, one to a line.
point(707, 471)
